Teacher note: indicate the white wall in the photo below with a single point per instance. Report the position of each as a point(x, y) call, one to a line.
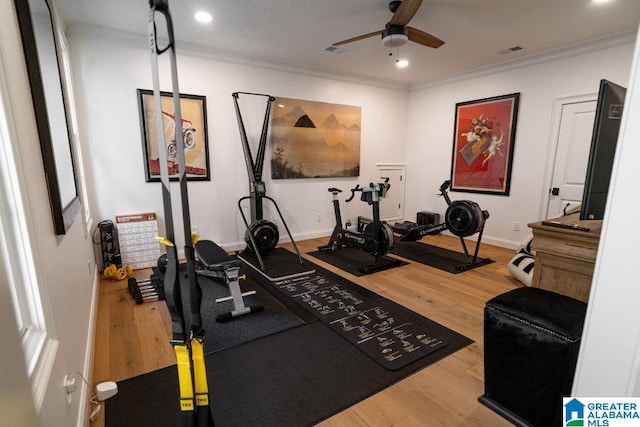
point(65, 268)
point(107, 99)
point(431, 124)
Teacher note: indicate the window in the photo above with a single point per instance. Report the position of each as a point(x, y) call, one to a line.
point(17, 252)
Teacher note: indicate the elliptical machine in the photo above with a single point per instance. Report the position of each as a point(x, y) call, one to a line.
point(463, 218)
point(376, 238)
point(262, 235)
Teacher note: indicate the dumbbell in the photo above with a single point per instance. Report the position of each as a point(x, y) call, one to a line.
point(113, 272)
point(148, 295)
point(162, 263)
point(152, 282)
point(146, 290)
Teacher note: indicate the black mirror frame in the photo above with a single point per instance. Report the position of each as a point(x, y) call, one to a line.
point(63, 216)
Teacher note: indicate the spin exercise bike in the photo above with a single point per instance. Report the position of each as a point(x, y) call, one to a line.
point(463, 218)
point(376, 238)
point(262, 235)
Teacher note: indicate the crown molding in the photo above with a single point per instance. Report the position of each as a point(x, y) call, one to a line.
point(575, 49)
point(79, 30)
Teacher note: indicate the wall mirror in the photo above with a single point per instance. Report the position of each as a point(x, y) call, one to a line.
point(41, 53)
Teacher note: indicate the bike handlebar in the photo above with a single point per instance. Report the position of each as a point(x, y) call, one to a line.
point(353, 192)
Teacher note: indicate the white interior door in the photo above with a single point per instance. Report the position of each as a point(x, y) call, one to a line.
point(392, 206)
point(572, 155)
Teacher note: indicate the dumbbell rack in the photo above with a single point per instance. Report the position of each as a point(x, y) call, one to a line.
point(146, 290)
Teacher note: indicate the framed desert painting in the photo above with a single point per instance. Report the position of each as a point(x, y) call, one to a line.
point(483, 142)
point(194, 130)
point(314, 139)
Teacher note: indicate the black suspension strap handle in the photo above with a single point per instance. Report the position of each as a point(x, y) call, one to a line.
point(187, 337)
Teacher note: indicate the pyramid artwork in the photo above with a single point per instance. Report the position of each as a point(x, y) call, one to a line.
point(314, 139)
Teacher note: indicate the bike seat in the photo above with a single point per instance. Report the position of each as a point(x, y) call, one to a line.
point(335, 190)
point(213, 257)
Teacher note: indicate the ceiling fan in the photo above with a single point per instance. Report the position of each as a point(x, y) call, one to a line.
point(397, 32)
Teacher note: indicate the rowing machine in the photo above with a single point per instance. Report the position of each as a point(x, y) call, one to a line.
point(463, 218)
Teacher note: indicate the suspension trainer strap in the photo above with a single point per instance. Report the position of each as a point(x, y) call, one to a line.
point(189, 353)
point(185, 382)
point(200, 381)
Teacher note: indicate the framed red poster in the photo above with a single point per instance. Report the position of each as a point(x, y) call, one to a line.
point(483, 143)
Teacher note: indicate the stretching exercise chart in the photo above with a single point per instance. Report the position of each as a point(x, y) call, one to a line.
point(137, 236)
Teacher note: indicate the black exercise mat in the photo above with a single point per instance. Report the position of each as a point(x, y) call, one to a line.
point(275, 317)
point(389, 333)
point(279, 264)
point(351, 260)
point(440, 258)
point(297, 377)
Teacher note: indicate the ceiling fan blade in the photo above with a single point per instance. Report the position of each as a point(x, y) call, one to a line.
point(355, 39)
point(425, 39)
point(405, 12)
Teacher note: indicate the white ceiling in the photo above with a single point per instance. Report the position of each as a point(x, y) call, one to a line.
point(296, 32)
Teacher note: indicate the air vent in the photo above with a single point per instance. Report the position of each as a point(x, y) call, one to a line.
point(335, 49)
point(510, 50)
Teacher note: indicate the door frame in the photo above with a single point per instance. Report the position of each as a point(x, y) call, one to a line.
point(552, 146)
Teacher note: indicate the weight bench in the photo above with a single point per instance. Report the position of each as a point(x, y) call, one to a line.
point(216, 263)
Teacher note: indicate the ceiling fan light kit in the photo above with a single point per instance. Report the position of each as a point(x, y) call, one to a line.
point(395, 40)
point(396, 33)
point(394, 36)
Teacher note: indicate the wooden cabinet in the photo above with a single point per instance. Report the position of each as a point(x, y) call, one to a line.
point(565, 258)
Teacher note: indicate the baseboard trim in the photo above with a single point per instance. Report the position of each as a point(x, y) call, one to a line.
point(89, 353)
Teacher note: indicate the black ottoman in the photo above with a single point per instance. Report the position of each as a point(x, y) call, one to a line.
point(531, 342)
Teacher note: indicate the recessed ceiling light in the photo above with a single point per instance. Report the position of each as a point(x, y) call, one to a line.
point(203, 17)
point(402, 63)
point(601, 1)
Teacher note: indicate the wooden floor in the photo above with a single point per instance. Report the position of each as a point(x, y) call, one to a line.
point(134, 339)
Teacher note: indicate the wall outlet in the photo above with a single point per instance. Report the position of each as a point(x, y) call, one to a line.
point(69, 384)
point(516, 226)
point(318, 217)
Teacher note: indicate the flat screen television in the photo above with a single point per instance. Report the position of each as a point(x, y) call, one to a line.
point(603, 148)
